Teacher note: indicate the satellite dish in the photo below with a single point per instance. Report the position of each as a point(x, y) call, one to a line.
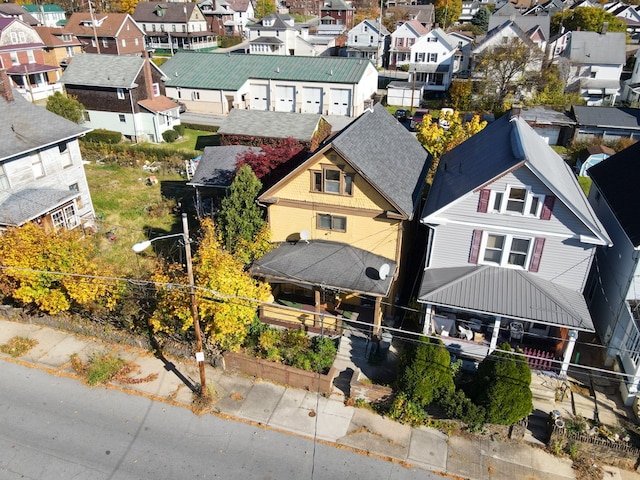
point(304, 235)
point(384, 271)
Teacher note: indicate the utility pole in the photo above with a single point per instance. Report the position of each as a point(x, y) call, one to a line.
point(93, 25)
point(194, 305)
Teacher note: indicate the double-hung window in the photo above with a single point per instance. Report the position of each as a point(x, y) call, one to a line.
point(506, 250)
point(515, 201)
point(332, 180)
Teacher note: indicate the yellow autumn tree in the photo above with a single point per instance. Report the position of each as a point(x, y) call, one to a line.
point(55, 271)
point(439, 139)
point(227, 295)
point(127, 6)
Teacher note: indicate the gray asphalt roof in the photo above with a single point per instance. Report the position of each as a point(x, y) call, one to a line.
point(329, 264)
point(386, 154)
point(172, 12)
point(300, 126)
point(618, 117)
point(546, 115)
point(229, 72)
point(596, 48)
point(26, 127)
point(25, 205)
point(525, 22)
point(217, 166)
point(617, 179)
point(115, 71)
point(501, 146)
point(506, 292)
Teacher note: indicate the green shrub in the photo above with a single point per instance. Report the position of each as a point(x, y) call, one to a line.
point(429, 374)
point(407, 411)
point(225, 41)
point(170, 136)
point(457, 405)
point(180, 129)
point(102, 135)
point(204, 128)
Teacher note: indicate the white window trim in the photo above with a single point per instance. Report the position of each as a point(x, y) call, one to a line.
point(120, 93)
point(505, 198)
point(508, 239)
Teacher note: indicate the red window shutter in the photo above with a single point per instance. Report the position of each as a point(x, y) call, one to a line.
point(483, 202)
point(538, 245)
point(547, 207)
point(475, 246)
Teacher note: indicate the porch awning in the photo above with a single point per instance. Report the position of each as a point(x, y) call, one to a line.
point(158, 104)
point(29, 68)
point(330, 265)
point(507, 293)
point(26, 205)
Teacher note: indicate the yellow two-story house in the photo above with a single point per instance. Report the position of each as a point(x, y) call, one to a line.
point(340, 221)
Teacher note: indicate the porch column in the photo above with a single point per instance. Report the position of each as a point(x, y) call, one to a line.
point(316, 317)
point(426, 328)
point(495, 334)
point(568, 351)
point(377, 316)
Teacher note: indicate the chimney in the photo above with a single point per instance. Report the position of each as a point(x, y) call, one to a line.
point(605, 27)
point(516, 109)
point(148, 79)
point(5, 86)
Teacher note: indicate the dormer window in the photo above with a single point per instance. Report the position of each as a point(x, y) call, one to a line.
point(516, 200)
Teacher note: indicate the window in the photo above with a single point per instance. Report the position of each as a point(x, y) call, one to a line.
point(70, 51)
point(14, 58)
point(66, 217)
point(31, 57)
point(332, 180)
point(124, 43)
point(516, 201)
point(4, 181)
point(420, 57)
point(22, 38)
point(433, 57)
point(14, 37)
point(122, 118)
point(85, 116)
point(135, 42)
point(506, 250)
point(195, 95)
point(93, 42)
point(156, 89)
point(105, 42)
point(121, 94)
point(37, 167)
point(332, 222)
point(74, 187)
point(365, 28)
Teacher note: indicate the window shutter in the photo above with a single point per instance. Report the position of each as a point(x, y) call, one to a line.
point(547, 207)
point(483, 202)
point(475, 246)
point(538, 245)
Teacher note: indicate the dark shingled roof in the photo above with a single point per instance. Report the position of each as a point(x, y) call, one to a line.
point(617, 179)
point(329, 264)
point(217, 167)
point(261, 123)
point(505, 292)
point(617, 117)
point(27, 127)
point(387, 155)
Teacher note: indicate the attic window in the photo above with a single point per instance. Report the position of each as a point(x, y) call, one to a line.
point(333, 181)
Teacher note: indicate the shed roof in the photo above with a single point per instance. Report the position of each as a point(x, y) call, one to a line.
point(505, 292)
point(613, 117)
point(258, 123)
point(229, 72)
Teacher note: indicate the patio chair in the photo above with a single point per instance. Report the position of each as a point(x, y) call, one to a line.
point(465, 332)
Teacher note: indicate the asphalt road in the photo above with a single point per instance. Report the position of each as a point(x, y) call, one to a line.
point(56, 428)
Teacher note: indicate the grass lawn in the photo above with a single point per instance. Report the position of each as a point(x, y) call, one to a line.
point(191, 140)
point(129, 211)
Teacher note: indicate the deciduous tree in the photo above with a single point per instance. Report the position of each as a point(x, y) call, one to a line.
point(590, 19)
point(272, 155)
point(240, 219)
point(231, 294)
point(54, 271)
point(460, 94)
point(447, 12)
point(439, 140)
point(264, 8)
point(65, 106)
point(551, 91)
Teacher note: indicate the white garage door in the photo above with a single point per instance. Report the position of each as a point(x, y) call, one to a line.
point(285, 98)
point(259, 97)
point(340, 101)
point(312, 100)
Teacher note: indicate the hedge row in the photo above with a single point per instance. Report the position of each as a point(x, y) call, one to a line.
point(204, 128)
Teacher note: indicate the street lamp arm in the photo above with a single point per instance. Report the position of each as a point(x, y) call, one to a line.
point(140, 246)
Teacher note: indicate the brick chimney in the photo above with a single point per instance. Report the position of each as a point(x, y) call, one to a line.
point(5, 86)
point(516, 110)
point(148, 79)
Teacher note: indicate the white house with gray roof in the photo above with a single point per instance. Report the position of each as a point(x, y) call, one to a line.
point(510, 244)
point(369, 40)
point(42, 178)
point(277, 34)
point(593, 62)
point(216, 83)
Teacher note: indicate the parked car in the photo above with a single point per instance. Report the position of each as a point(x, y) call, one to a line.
point(418, 117)
point(401, 114)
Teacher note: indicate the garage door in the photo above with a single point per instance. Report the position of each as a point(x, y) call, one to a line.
point(312, 100)
point(259, 97)
point(340, 101)
point(285, 98)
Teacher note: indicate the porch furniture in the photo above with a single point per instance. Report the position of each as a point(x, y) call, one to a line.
point(516, 331)
point(466, 333)
point(475, 324)
point(443, 325)
point(478, 337)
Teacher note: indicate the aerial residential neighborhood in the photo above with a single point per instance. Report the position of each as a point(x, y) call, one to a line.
point(402, 229)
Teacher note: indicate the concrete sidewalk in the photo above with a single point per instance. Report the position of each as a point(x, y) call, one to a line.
point(301, 412)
